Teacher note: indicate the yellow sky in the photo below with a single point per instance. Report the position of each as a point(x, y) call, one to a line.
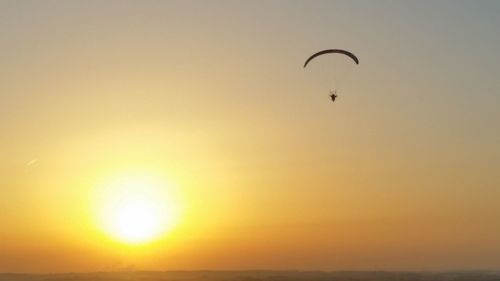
point(264, 171)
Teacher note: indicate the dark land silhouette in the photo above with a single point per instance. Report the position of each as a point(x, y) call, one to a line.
point(258, 276)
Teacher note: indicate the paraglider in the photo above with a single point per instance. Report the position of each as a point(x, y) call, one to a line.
point(333, 93)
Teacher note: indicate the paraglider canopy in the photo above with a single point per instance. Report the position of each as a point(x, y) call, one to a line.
point(332, 51)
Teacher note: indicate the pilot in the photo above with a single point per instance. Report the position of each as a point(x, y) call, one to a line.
point(333, 95)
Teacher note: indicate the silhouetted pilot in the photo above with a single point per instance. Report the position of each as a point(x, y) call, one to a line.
point(333, 95)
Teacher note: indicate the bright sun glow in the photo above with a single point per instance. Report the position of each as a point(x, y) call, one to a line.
point(137, 208)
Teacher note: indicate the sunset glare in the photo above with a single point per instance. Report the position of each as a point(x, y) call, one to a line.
point(136, 209)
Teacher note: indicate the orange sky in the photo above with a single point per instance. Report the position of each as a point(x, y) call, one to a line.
point(260, 169)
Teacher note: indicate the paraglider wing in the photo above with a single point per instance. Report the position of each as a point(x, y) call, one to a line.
point(332, 51)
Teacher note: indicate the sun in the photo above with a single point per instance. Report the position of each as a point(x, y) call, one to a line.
point(134, 220)
point(137, 208)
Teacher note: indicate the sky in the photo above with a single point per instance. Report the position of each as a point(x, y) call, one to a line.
point(261, 170)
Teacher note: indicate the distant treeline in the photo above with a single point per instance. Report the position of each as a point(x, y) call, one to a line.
point(257, 276)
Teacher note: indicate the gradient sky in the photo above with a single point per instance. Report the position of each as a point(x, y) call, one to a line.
point(401, 173)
